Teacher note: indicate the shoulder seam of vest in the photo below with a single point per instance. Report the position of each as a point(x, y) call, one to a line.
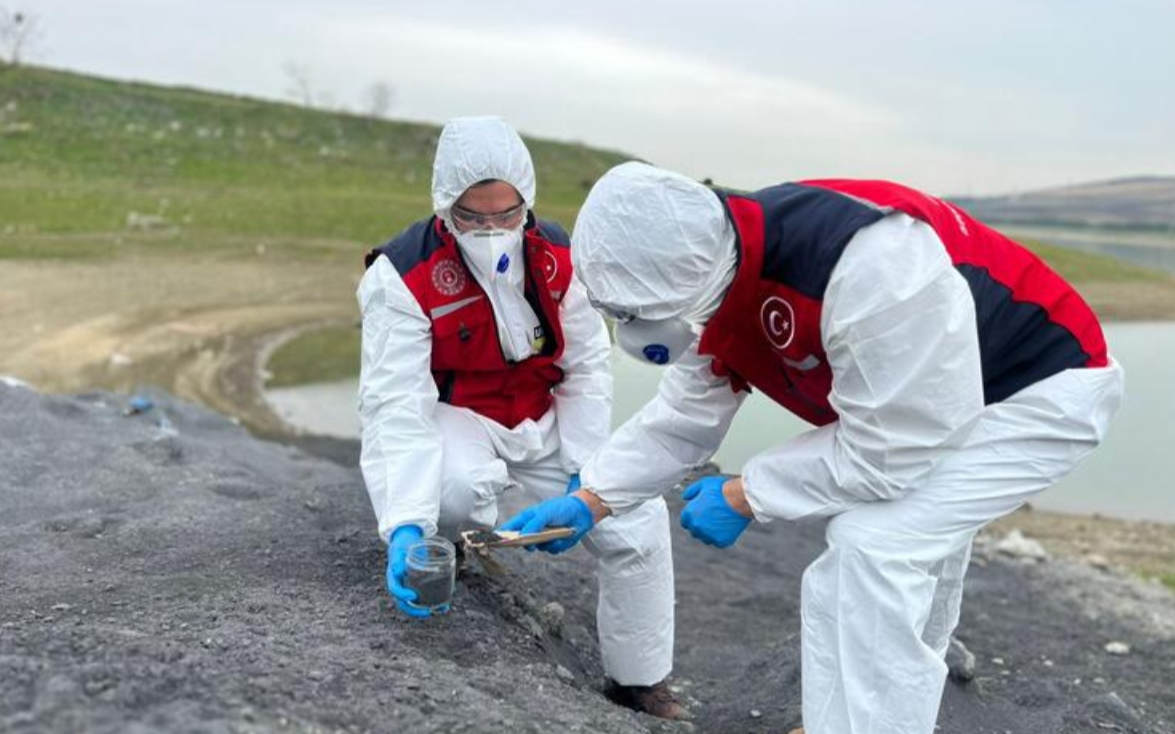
point(553, 232)
point(412, 246)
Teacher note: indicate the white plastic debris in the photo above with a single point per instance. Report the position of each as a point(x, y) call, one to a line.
point(135, 220)
point(1098, 561)
point(1016, 545)
point(960, 661)
point(1117, 648)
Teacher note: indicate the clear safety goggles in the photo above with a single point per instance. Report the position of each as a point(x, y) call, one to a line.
point(507, 219)
point(620, 317)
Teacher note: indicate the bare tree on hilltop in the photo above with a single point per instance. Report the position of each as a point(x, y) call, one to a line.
point(378, 99)
point(19, 30)
point(301, 83)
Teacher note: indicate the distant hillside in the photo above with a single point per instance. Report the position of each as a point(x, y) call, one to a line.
point(1145, 202)
point(80, 154)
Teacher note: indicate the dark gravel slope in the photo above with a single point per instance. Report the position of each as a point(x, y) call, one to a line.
point(201, 580)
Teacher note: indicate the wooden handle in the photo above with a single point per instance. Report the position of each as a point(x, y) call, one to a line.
point(513, 539)
point(533, 538)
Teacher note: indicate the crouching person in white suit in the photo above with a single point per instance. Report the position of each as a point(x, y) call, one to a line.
point(950, 375)
point(485, 371)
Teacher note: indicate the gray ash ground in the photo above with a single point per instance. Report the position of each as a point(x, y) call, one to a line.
point(208, 581)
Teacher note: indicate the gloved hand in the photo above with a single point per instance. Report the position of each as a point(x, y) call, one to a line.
point(404, 536)
point(572, 483)
point(708, 516)
point(565, 511)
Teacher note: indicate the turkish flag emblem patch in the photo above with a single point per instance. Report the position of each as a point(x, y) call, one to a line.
point(778, 319)
point(550, 266)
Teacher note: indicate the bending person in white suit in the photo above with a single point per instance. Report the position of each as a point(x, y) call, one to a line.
point(949, 373)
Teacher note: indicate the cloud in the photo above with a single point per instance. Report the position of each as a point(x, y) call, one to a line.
point(944, 98)
point(695, 114)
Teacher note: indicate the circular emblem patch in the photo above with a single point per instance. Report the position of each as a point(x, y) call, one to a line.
point(779, 321)
point(448, 278)
point(550, 267)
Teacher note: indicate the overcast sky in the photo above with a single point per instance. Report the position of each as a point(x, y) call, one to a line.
point(955, 98)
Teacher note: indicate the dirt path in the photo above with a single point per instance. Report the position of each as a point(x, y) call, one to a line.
point(1141, 301)
point(1141, 547)
point(200, 328)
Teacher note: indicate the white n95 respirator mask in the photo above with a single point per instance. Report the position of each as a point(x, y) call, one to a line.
point(493, 254)
point(657, 342)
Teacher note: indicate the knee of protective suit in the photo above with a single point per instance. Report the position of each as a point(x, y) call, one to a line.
point(848, 534)
point(457, 507)
point(640, 534)
point(469, 494)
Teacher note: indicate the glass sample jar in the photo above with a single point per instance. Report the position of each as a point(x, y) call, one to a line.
point(432, 568)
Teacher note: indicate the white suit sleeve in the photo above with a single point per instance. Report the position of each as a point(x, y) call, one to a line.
point(583, 401)
point(401, 444)
point(677, 431)
point(899, 332)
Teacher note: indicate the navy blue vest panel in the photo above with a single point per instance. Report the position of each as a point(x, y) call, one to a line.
point(806, 230)
point(1018, 344)
point(411, 247)
point(1021, 342)
point(554, 233)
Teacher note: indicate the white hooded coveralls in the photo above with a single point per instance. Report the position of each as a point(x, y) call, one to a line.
point(444, 468)
point(907, 476)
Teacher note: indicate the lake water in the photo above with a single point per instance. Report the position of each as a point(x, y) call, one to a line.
point(1132, 475)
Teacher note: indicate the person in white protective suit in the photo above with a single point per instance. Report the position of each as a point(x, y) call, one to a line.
point(950, 376)
point(486, 371)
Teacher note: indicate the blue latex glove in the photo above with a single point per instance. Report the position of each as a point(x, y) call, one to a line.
point(572, 483)
point(565, 511)
point(708, 516)
point(404, 536)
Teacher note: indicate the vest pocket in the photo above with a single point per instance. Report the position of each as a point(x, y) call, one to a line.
point(466, 339)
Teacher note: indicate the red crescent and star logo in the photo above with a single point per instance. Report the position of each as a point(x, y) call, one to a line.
point(550, 266)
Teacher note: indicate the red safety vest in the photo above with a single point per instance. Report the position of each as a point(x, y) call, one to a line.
point(1030, 322)
point(467, 362)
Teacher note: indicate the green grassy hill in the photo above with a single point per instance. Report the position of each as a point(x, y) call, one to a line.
point(80, 155)
point(158, 189)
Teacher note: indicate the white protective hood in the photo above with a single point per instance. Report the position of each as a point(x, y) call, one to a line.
point(473, 149)
point(654, 244)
